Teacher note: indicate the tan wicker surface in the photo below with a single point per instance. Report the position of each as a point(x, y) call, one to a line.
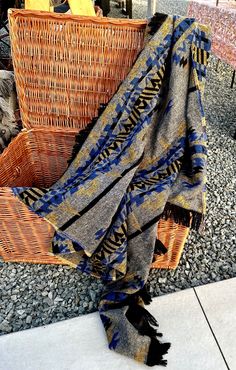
point(66, 66)
point(173, 236)
point(24, 236)
point(36, 158)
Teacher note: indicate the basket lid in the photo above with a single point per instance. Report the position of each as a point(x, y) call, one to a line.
point(66, 66)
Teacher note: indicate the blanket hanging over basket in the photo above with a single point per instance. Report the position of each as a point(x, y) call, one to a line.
point(144, 159)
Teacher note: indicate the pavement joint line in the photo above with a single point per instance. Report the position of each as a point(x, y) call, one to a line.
point(208, 322)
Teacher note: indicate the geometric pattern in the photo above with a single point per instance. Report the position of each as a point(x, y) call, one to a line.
point(144, 159)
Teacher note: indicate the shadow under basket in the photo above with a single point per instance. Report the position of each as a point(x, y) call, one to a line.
point(38, 158)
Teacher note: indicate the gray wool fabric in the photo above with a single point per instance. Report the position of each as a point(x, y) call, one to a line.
point(8, 126)
point(144, 159)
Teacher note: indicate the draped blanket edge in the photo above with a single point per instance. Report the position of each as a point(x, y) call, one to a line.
point(144, 158)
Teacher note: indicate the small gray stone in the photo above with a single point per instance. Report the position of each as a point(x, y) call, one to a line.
point(162, 280)
point(28, 319)
point(5, 327)
point(48, 301)
point(187, 265)
point(92, 295)
point(58, 299)
point(20, 312)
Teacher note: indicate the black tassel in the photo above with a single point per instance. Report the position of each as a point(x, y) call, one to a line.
point(144, 294)
point(146, 324)
point(156, 352)
point(142, 320)
point(159, 248)
point(183, 216)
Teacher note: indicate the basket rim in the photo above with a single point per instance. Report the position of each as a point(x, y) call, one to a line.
point(133, 23)
point(25, 132)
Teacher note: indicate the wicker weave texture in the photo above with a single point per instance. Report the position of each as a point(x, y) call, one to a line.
point(24, 236)
point(173, 236)
point(66, 66)
point(36, 158)
point(27, 238)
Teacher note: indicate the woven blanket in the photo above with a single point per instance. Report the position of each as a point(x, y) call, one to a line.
point(8, 125)
point(144, 159)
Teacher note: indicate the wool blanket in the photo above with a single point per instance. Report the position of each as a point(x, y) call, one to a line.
point(144, 159)
point(8, 125)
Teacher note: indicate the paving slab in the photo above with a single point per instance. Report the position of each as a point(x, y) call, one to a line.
point(219, 304)
point(184, 324)
point(80, 343)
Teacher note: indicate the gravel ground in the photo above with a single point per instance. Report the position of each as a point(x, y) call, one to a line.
point(34, 295)
point(163, 6)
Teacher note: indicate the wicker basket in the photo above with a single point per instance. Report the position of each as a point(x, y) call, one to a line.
point(65, 67)
point(32, 159)
point(36, 159)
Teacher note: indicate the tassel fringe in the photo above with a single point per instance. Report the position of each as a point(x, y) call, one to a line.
point(145, 295)
point(144, 322)
point(147, 325)
point(182, 216)
point(156, 352)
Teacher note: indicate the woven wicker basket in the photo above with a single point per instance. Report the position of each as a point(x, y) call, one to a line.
point(36, 159)
point(65, 67)
point(32, 159)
